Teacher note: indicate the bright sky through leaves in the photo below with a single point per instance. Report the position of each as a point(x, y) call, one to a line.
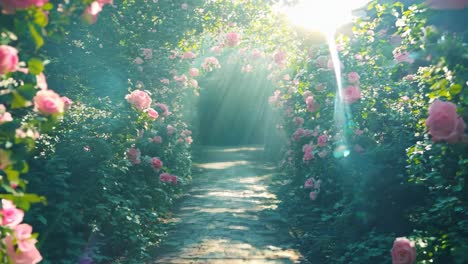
point(321, 15)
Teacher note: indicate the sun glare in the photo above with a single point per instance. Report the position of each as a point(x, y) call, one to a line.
point(321, 15)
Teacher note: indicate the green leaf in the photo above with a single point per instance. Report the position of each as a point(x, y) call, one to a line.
point(455, 89)
point(12, 174)
point(35, 35)
point(18, 101)
point(35, 66)
point(27, 91)
point(40, 18)
point(48, 6)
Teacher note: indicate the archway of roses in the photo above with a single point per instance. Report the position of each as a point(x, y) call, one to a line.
point(144, 80)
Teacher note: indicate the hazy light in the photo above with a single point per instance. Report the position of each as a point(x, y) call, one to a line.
point(321, 15)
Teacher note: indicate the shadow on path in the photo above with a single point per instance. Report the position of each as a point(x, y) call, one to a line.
point(229, 215)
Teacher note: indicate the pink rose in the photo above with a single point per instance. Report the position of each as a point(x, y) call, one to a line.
point(352, 94)
point(138, 61)
point(139, 99)
point(133, 155)
point(156, 139)
point(8, 59)
point(447, 4)
point(164, 108)
point(402, 56)
point(11, 216)
point(353, 77)
point(9, 6)
point(166, 177)
point(188, 140)
point(4, 115)
point(67, 102)
point(170, 130)
point(156, 163)
point(322, 141)
point(280, 57)
point(194, 72)
point(27, 253)
point(152, 114)
point(313, 195)
point(403, 251)
point(312, 106)
point(309, 183)
point(444, 123)
point(256, 54)
point(298, 121)
point(210, 63)
point(48, 102)
point(232, 39)
point(188, 55)
point(193, 83)
point(147, 53)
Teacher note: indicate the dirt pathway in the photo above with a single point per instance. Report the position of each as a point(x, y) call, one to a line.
point(229, 215)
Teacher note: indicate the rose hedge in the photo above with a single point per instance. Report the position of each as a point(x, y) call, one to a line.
point(392, 162)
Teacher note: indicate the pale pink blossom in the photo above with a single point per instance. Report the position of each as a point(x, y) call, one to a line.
point(309, 183)
point(139, 99)
point(352, 94)
point(164, 108)
point(165, 81)
point(170, 130)
point(322, 141)
point(210, 63)
point(67, 103)
point(403, 251)
point(156, 139)
point(138, 61)
point(8, 59)
point(353, 77)
point(444, 123)
point(313, 195)
point(156, 163)
point(400, 56)
point(134, 155)
point(256, 54)
point(47, 102)
point(358, 57)
point(312, 106)
point(4, 115)
point(232, 39)
point(188, 55)
point(193, 83)
point(298, 121)
point(27, 252)
point(188, 140)
point(147, 53)
point(280, 57)
point(152, 114)
point(194, 72)
point(11, 216)
point(91, 12)
point(216, 49)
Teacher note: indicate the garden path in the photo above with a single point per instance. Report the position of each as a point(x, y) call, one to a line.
point(229, 214)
